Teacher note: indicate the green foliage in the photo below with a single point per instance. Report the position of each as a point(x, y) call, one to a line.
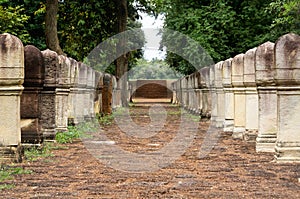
point(13, 21)
point(32, 29)
point(106, 120)
point(82, 25)
point(155, 69)
point(287, 17)
point(6, 186)
point(69, 136)
point(36, 153)
point(225, 28)
point(8, 173)
point(76, 132)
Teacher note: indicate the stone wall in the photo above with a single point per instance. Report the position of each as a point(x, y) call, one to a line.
point(41, 93)
point(255, 96)
point(151, 89)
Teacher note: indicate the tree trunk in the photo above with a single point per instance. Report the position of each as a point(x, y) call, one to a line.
point(122, 61)
point(52, 41)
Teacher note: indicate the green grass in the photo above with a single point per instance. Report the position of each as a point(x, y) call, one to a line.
point(174, 112)
point(106, 120)
point(76, 132)
point(8, 173)
point(36, 153)
point(6, 186)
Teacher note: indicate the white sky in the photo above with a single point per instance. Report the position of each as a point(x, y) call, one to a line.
point(151, 26)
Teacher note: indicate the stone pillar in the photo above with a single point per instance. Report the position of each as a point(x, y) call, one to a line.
point(32, 96)
point(48, 107)
point(190, 92)
point(85, 91)
point(179, 92)
point(90, 93)
point(11, 80)
point(214, 105)
point(287, 77)
point(198, 92)
point(184, 88)
point(229, 96)
point(174, 92)
point(206, 94)
point(62, 93)
point(251, 96)
point(267, 94)
point(81, 101)
point(116, 93)
point(237, 73)
point(220, 95)
point(74, 78)
point(98, 93)
point(107, 94)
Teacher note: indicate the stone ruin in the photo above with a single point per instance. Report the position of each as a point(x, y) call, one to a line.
point(41, 93)
point(255, 96)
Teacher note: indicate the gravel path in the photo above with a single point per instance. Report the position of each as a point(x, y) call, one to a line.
point(231, 170)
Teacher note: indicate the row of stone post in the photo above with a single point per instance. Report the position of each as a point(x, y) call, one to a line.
point(41, 93)
point(255, 95)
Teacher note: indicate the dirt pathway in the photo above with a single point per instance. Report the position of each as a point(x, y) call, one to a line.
point(231, 170)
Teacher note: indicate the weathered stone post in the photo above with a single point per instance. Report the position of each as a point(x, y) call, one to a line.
point(11, 80)
point(237, 74)
point(48, 107)
point(179, 92)
point(229, 96)
point(214, 100)
point(74, 77)
point(62, 93)
point(194, 94)
point(32, 96)
point(184, 90)
point(251, 96)
point(220, 95)
point(190, 81)
point(90, 92)
point(267, 93)
point(98, 93)
point(81, 99)
point(206, 93)
point(85, 91)
point(116, 93)
point(174, 92)
point(198, 92)
point(287, 77)
point(107, 94)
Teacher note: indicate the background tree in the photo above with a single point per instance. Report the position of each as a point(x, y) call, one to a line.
point(81, 24)
point(225, 28)
point(52, 41)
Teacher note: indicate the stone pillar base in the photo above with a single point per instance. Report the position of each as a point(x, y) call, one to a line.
point(250, 135)
point(287, 152)
point(265, 144)
point(49, 134)
point(238, 132)
point(219, 123)
point(11, 154)
point(228, 125)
